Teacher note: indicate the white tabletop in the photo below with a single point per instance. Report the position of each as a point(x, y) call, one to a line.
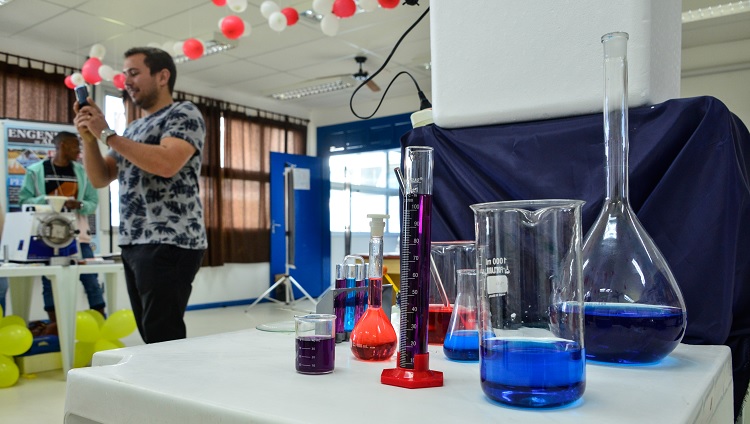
point(249, 376)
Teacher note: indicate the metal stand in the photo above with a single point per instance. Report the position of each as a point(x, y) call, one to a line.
point(287, 280)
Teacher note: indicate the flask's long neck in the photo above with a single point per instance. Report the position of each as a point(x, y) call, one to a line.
point(375, 273)
point(616, 115)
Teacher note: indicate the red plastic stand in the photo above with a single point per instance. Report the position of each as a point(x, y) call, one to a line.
point(418, 378)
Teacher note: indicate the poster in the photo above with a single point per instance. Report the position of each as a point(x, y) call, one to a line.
point(26, 143)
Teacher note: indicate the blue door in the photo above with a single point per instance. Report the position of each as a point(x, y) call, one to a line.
point(309, 255)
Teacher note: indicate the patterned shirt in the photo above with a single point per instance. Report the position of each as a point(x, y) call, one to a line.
point(157, 210)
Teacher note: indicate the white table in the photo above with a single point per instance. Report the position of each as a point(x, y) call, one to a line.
point(249, 376)
point(65, 282)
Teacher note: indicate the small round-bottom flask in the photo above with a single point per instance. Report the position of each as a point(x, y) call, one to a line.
point(462, 339)
point(373, 337)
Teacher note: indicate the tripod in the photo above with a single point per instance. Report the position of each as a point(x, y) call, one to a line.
point(287, 280)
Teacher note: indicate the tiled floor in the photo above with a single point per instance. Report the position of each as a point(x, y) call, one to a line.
point(40, 398)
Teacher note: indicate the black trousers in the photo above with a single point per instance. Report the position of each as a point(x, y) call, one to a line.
point(159, 278)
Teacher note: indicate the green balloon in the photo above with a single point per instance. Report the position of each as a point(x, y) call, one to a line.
point(83, 353)
point(15, 340)
point(8, 371)
point(87, 329)
point(118, 325)
point(12, 320)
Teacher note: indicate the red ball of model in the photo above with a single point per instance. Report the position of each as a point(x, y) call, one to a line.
point(291, 15)
point(192, 48)
point(220, 2)
point(345, 8)
point(388, 4)
point(232, 27)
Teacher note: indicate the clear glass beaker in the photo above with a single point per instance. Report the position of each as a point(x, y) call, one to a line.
point(530, 301)
point(315, 343)
point(634, 311)
point(446, 257)
point(462, 338)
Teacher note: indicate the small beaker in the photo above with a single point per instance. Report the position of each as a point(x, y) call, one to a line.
point(315, 343)
point(446, 257)
point(462, 339)
point(530, 301)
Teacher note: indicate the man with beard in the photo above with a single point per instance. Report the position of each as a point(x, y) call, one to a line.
point(157, 163)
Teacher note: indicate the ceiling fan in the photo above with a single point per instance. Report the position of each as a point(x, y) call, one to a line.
point(326, 84)
point(361, 75)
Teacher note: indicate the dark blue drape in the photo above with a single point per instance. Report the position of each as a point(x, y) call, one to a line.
point(689, 164)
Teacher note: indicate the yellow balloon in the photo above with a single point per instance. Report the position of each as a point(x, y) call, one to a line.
point(8, 371)
point(12, 320)
point(15, 340)
point(83, 353)
point(87, 329)
point(97, 316)
point(120, 324)
point(104, 344)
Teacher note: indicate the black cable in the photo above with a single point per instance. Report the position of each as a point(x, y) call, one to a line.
point(424, 103)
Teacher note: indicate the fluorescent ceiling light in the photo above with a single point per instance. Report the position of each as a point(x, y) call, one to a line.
point(4, 2)
point(217, 45)
point(325, 87)
point(716, 11)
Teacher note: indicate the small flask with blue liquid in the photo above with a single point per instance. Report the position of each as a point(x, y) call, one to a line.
point(462, 339)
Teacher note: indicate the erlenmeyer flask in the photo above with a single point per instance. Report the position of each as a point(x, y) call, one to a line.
point(634, 311)
point(462, 339)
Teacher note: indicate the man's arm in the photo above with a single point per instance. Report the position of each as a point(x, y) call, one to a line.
point(165, 159)
point(27, 194)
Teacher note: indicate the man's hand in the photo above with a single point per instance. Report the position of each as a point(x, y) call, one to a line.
point(89, 120)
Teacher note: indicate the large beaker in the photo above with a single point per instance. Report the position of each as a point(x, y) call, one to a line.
point(530, 301)
point(634, 311)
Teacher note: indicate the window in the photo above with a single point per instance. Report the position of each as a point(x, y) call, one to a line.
point(361, 184)
point(114, 114)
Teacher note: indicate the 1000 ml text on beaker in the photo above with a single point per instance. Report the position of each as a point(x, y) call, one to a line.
point(512, 371)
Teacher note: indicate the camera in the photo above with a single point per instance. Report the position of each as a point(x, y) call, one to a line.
point(82, 94)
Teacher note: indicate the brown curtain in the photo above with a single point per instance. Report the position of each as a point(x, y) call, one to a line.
point(245, 188)
point(235, 193)
point(34, 91)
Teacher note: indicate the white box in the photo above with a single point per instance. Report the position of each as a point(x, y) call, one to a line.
point(506, 61)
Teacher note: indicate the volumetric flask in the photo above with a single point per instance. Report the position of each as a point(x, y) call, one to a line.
point(446, 257)
point(462, 339)
point(530, 301)
point(634, 311)
point(315, 343)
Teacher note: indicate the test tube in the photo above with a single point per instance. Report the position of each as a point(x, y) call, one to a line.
point(339, 302)
point(351, 278)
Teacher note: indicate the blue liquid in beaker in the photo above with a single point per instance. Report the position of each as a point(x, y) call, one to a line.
point(532, 373)
point(462, 345)
point(631, 333)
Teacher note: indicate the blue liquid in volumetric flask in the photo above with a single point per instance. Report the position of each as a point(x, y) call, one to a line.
point(631, 333)
point(462, 345)
point(315, 354)
point(532, 373)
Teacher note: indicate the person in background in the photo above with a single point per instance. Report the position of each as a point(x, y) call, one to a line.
point(3, 280)
point(62, 175)
point(157, 162)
